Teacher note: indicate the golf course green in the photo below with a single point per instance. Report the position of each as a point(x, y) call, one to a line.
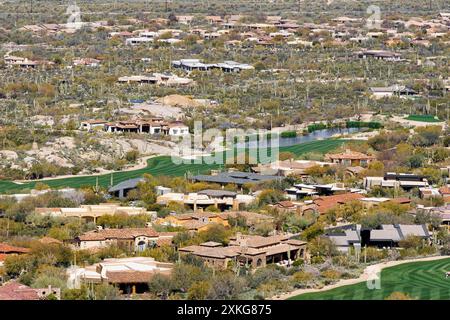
point(424, 280)
point(158, 166)
point(422, 118)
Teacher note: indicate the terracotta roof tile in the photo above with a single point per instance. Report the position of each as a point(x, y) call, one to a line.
point(328, 202)
point(444, 190)
point(17, 291)
point(6, 248)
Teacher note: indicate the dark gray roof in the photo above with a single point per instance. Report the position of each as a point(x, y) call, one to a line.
point(127, 184)
point(236, 178)
point(218, 193)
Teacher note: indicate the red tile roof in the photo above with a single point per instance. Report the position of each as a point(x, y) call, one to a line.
point(17, 291)
point(444, 190)
point(6, 248)
point(328, 202)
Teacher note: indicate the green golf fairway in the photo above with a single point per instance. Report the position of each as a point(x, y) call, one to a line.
point(160, 166)
point(421, 280)
point(422, 118)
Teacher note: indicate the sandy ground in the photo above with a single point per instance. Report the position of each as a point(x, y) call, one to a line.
point(363, 277)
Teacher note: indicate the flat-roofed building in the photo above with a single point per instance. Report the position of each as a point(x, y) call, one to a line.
point(92, 212)
point(130, 275)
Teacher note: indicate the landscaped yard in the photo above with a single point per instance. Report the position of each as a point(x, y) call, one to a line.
point(421, 280)
point(161, 166)
point(422, 118)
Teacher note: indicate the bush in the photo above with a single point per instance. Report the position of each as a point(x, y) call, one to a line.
point(361, 124)
point(298, 263)
point(288, 134)
point(317, 260)
point(373, 254)
point(317, 126)
point(331, 274)
point(407, 253)
point(398, 296)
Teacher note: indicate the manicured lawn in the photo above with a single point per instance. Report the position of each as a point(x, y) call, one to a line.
point(160, 166)
point(422, 118)
point(421, 280)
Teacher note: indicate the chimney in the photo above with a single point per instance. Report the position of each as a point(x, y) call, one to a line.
point(238, 237)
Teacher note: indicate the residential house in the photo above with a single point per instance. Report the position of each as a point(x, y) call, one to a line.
point(386, 236)
point(185, 19)
point(137, 40)
point(220, 199)
point(326, 203)
point(380, 55)
point(157, 78)
point(121, 189)
point(87, 62)
point(249, 250)
point(92, 212)
point(236, 177)
point(350, 158)
point(376, 201)
point(214, 19)
point(392, 91)
point(90, 125)
point(301, 190)
point(7, 250)
point(429, 192)
point(193, 222)
point(296, 207)
point(130, 275)
point(151, 126)
point(406, 181)
point(13, 290)
point(133, 239)
point(289, 167)
point(444, 214)
point(196, 64)
point(20, 62)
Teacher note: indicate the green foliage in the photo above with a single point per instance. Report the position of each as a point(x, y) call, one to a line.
point(361, 124)
point(270, 197)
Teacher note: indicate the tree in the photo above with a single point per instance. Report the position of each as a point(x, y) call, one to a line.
point(410, 242)
point(313, 231)
point(270, 197)
point(323, 247)
point(105, 291)
point(216, 233)
point(14, 265)
point(302, 278)
point(160, 285)
point(263, 275)
point(226, 286)
point(396, 295)
point(426, 136)
point(199, 290)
